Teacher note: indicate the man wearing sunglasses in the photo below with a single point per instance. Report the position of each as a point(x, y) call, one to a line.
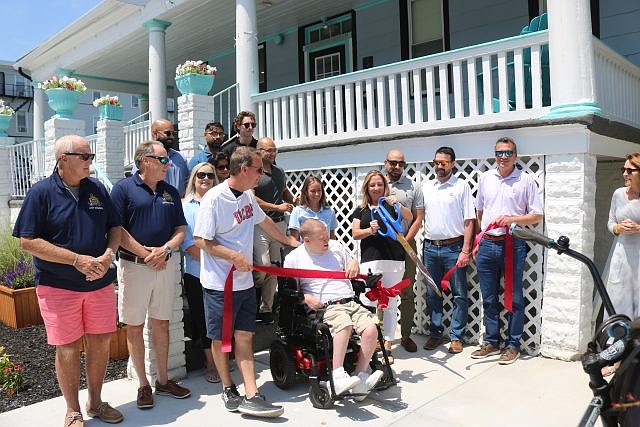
point(448, 238)
point(72, 229)
point(403, 189)
point(244, 124)
point(149, 274)
point(214, 136)
point(505, 195)
point(275, 199)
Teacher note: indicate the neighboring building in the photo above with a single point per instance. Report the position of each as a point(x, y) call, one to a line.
point(17, 92)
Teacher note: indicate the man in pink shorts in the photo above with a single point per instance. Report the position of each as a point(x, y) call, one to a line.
point(70, 226)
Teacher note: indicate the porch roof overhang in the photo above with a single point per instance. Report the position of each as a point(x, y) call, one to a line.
point(108, 46)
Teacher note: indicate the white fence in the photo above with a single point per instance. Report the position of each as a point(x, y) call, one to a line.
point(508, 76)
point(135, 133)
point(26, 165)
point(225, 106)
point(92, 140)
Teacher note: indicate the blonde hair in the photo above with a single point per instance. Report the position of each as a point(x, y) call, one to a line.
point(191, 184)
point(366, 199)
point(634, 158)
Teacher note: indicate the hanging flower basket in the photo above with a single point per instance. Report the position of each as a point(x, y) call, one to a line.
point(195, 77)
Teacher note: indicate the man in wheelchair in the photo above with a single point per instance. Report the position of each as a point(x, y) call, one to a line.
point(342, 313)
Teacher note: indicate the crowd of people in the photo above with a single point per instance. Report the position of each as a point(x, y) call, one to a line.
point(228, 209)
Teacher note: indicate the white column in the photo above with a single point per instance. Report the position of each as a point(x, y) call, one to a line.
point(110, 149)
point(54, 129)
point(5, 178)
point(157, 68)
point(571, 59)
point(570, 188)
point(246, 53)
point(194, 112)
point(39, 107)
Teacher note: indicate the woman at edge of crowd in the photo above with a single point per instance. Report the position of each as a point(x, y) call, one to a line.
point(378, 253)
point(220, 162)
point(313, 204)
point(202, 178)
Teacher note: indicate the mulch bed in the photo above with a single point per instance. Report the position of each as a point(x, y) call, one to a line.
point(28, 346)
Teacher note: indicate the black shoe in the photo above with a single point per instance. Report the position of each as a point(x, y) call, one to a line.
point(266, 317)
point(259, 407)
point(231, 398)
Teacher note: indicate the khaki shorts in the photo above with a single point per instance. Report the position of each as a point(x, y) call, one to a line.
point(340, 316)
point(142, 289)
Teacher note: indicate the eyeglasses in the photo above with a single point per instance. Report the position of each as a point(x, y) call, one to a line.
point(395, 163)
point(222, 167)
point(249, 125)
point(270, 150)
point(162, 159)
point(203, 175)
point(629, 171)
point(168, 132)
point(258, 169)
point(214, 133)
point(504, 153)
point(83, 156)
point(443, 163)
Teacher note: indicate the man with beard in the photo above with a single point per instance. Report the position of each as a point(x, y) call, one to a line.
point(178, 173)
point(214, 135)
point(448, 238)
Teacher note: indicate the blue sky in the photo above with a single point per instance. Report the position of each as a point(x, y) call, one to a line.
point(27, 23)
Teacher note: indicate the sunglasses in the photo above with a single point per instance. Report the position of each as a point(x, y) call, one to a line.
point(162, 159)
point(222, 167)
point(203, 175)
point(629, 171)
point(504, 153)
point(443, 163)
point(83, 156)
point(214, 133)
point(249, 125)
point(395, 163)
point(258, 169)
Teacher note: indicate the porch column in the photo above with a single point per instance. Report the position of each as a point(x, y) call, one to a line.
point(54, 129)
point(110, 149)
point(570, 197)
point(194, 112)
point(571, 59)
point(246, 53)
point(157, 68)
point(39, 107)
point(5, 178)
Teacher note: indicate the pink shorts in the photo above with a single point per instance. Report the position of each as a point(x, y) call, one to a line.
point(68, 315)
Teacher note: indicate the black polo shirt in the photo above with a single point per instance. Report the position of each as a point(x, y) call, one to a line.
point(51, 212)
point(150, 217)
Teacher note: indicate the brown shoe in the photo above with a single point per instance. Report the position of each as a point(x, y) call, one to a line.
point(408, 344)
point(432, 343)
point(455, 346)
point(171, 388)
point(485, 351)
point(509, 356)
point(106, 413)
point(73, 419)
point(145, 397)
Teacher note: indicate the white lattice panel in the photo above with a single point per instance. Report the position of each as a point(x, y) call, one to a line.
point(343, 194)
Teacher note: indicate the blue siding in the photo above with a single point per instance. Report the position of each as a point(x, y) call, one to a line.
point(620, 28)
point(378, 33)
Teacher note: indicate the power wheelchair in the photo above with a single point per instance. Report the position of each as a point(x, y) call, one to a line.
point(304, 346)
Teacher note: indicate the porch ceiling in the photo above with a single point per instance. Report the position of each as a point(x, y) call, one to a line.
point(199, 28)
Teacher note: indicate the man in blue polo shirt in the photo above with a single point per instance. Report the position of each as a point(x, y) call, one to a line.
point(154, 225)
point(70, 226)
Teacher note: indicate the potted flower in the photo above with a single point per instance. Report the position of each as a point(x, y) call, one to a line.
point(109, 107)
point(5, 117)
point(195, 77)
point(11, 375)
point(64, 94)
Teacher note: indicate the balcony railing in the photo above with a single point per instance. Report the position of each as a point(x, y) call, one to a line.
point(26, 165)
point(507, 77)
point(225, 104)
point(21, 91)
point(137, 131)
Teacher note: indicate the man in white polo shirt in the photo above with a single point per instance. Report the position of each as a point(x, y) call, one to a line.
point(505, 195)
point(448, 238)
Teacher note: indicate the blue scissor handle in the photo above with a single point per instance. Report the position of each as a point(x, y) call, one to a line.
point(393, 226)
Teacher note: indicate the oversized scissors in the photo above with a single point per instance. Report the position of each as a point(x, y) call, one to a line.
point(394, 230)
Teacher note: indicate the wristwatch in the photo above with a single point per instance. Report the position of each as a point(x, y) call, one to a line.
point(168, 251)
point(111, 254)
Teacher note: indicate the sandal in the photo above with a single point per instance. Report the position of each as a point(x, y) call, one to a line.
point(389, 357)
point(212, 376)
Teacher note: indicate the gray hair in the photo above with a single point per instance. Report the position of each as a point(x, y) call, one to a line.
point(64, 144)
point(145, 149)
point(242, 156)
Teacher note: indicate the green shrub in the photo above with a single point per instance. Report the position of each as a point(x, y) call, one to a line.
point(16, 266)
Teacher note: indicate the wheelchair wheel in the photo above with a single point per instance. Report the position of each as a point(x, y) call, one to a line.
point(320, 399)
point(282, 365)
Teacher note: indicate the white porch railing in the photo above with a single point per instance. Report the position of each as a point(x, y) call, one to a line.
point(26, 165)
point(92, 140)
point(383, 99)
point(225, 106)
point(617, 85)
point(134, 134)
point(99, 174)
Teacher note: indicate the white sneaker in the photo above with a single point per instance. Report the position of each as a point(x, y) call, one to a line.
point(343, 382)
point(367, 383)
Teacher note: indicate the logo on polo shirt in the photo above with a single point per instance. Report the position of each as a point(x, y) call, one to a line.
point(167, 198)
point(243, 213)
point(94, 202)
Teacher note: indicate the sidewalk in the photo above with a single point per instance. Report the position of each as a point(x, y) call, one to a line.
point(435, 389)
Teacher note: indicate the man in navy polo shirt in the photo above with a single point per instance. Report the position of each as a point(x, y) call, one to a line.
point(70, 226)
point(154, 224)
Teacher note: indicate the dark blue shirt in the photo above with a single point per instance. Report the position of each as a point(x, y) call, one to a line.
point(150, 217)
point(51, 212)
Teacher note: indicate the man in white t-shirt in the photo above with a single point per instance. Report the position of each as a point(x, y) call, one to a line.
point(224, 232)
point(342, 313)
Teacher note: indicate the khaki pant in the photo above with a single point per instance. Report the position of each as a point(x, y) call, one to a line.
point(265, 250)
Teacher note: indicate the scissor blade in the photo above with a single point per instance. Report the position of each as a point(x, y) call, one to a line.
point(421, 267)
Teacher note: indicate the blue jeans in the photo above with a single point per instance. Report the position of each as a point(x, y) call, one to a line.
point(438, 260)
point(490, 265)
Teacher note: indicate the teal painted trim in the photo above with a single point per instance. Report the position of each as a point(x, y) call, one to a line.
point(110, 79)
point(322, 46)
point(369, 4)
point(319, 25)
point(61, 72)
point(270, 37)
point(573, 110)
point(102, 176)
point(157, 23)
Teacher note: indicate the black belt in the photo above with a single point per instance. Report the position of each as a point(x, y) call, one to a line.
point(277, 219)
point(445, 242)
point(493, 238)
point(128, 257)
point(339, 301)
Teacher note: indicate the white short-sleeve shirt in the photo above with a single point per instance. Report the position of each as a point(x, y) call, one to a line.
point(446, 207)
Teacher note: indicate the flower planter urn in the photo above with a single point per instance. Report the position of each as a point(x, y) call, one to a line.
point(19, 307)
point(63, 101)
point(199, 84)
point(110, 112)
point(5, 120)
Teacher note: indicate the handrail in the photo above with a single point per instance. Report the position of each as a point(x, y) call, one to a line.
point(102, 177)
point(141, 118)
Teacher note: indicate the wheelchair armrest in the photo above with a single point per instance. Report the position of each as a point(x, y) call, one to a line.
point(293, 294)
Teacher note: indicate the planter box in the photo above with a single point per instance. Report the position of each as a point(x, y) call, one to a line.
point(118, 345)
point(19, 307)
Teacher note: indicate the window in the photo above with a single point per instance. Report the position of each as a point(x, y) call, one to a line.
point(21, 122)
point(21, 86)
point(96, 94)
point(135, 101)
point(328, 48)
point(262, 67)
point(425, 27)
point(327, 65)
point(171, 105)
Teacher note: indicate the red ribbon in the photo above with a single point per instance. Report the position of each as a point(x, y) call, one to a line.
point(508, 266)
point(227, 312)
point(382, 294)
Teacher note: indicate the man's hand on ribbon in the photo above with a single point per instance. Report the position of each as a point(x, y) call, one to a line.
point(241, 263)
point(463, 260)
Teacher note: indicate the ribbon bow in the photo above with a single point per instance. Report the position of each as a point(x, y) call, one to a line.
point(382, 294)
